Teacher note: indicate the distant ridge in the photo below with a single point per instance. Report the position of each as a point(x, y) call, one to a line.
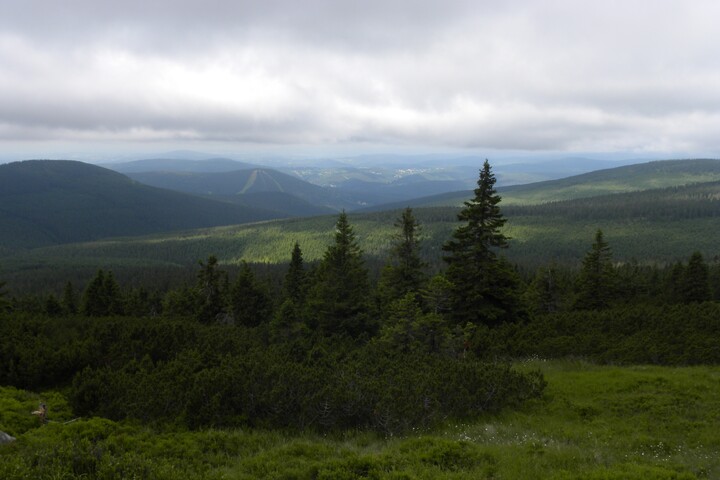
point(627, 178)
point(238, 183)
point(47, 202)
point(179, 165)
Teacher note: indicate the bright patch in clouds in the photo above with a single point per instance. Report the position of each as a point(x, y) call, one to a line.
point(546, 76)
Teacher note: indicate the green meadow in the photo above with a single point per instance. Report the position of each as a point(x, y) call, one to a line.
point(593, 422)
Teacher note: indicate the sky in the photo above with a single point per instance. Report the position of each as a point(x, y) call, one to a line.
point(96, 77)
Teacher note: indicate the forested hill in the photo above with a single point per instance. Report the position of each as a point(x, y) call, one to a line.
point(629, 178)
point(44, 202)
point(233, 184)
point(659, 226)
point(699, 200)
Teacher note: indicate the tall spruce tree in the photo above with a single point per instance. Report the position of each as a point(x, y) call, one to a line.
point(211, 290)
point(338, 299)
point(695, 286)
point(102, 296)
point(405, 272)
point(69, 300)
point(115, 305)
point(596, 286)
point(672, 291)
point(288, 321)
point(484, 287)
point(250, 301)
point(295, 284)
point(94, 302)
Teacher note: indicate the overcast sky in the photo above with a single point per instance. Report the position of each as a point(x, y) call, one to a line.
point(537, 76)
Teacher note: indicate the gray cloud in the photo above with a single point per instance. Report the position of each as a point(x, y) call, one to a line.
point(557, 75)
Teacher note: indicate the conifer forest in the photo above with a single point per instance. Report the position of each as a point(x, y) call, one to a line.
point(465, 365)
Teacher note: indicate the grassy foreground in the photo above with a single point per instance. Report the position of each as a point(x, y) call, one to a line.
point(595, 422)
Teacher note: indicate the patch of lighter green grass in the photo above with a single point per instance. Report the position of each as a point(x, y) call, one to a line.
point(594, 422)
point(594, 418)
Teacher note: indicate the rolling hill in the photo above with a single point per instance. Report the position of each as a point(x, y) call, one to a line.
point(629, 178)
point(354, 191)
point(653, 226)
point(45, 202)
point(234, 185)
point(661, 225)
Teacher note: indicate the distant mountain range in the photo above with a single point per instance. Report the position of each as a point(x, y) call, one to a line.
point(54, 202)
point(45, 202)
point(239, 185)
point(628, 178)
point(662, 225)
point(346, 188)
point(179, 165)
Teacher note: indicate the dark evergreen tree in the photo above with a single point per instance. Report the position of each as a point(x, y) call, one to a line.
point(182, 302)
point(405, 272)
point(596, 286)
point(545, 292)
point(113, 296)
point(673, 284)
point(409, 329)
point(295, 284)
point(338, 300)
point(696, 280)
point(288, 321)
point(53, 308)
point(211, 295)
point(69, 300)
point(436, 295)
point(484, 286)
point(250, 302)
point(141, 303)
point(102, 296)
point(94, 303)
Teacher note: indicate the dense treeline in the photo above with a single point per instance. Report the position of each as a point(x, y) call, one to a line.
point(682, 334)
point(673, 203)
point(327, 346)
point(186, 373)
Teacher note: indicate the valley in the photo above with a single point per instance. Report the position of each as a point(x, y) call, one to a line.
point(270, 345)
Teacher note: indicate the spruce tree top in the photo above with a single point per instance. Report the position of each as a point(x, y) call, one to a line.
point(345, 248)
point(483, 287)
point(483, 217)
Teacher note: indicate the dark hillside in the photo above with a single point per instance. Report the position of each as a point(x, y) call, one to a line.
point(249, 181)
point(283, 203)
point(46, 202)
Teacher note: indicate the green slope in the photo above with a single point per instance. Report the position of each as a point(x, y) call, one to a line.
point(661, 225)
point(46, 202)
point(630, 178)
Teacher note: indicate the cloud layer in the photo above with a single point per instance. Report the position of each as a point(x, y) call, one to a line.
point(554, 75)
